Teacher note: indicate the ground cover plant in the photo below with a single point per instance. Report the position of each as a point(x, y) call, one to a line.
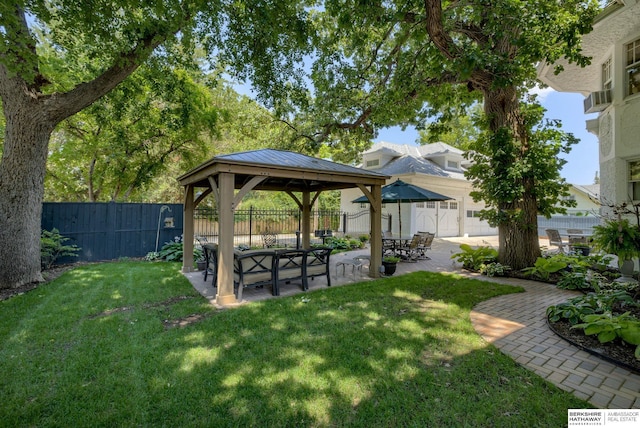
point(132, 344)
point(605, 321)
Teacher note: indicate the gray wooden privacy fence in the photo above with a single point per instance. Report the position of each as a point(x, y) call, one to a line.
point(107, 231)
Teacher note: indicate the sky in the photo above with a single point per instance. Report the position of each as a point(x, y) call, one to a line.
point(582, 161)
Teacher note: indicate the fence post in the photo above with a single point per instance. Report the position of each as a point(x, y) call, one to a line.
point(251, 226)
point(344, 223)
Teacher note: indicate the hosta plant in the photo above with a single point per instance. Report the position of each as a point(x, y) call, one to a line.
point(473, 258)
point(608, 327)
point(544, 267)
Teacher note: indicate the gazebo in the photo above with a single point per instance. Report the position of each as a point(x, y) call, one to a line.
point(274, 170)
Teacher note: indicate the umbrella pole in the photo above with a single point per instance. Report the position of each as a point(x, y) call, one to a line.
point(399, 221)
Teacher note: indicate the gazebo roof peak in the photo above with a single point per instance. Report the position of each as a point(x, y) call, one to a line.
point(285, 158)
point(284, 170)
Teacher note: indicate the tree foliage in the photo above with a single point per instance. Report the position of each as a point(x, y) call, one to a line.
point(458, 131)
point(97, 45)
point(116, 148)
point(416, 62)
point(501, 167)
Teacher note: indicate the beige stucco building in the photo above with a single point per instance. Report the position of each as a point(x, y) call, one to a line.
point(611, 86)
point(437, 167)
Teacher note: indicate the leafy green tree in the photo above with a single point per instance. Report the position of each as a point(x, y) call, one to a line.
point(262, 40)
point(406, 62)
point(459, 131)
point(501, 169)
point(114, 149)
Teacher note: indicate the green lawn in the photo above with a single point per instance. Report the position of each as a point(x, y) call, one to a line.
point(99, 347)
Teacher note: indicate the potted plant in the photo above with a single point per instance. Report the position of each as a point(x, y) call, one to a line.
point(621, 238)
point(389, 263)
point(581, 248)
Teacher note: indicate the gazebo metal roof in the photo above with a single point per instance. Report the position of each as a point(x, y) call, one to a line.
point(284, 170)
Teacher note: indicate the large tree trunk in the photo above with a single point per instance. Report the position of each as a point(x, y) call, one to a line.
point(518, 236)
point(25, 155)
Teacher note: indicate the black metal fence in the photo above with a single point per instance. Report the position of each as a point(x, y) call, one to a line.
point(251, 223)
point(107, 231)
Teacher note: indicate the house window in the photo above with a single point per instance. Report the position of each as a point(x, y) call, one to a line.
point(430, 204)
point(452, 164)
point(633, 67)
point(419, 204)
point(444, 205)
point(373, 162)
point(634, 179)
point(606, 74)
point(364, 206)
point(453, 205)
point(473, 214)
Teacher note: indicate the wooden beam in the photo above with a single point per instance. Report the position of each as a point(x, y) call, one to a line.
point(188, 229)
point(306, 220)
point(246, 188)
point(225, 294)
point(203, 195)
point(375, 211)
point(369, 196)
point(295, 199)
point(214, 188)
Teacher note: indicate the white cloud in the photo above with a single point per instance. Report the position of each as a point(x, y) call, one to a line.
point(542, 93)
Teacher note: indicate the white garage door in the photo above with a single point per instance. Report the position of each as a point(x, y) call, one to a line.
point(439, 217)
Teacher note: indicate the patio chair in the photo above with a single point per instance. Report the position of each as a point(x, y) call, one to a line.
point(425, 244)
point(289, 266)
point(555, 239)
point(411, 252)
point(253, 269)
point(211, 259)
point(317, 264)
point(269, 239)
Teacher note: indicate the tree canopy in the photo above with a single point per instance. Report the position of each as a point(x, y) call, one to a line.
point(98, 45)
point(369, 65)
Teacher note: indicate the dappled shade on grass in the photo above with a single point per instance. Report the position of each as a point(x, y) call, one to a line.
point(100, 346)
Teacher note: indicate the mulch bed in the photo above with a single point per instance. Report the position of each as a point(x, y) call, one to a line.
point(616, 352)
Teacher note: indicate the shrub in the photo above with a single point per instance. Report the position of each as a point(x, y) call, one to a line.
point(544, 267)
point(575, 281)
point(494, 269)
point(473, 259)
point(52, 248)
point(172, 251)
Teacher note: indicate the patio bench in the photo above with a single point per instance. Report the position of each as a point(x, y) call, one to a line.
point(258, 268)
point(253, 269)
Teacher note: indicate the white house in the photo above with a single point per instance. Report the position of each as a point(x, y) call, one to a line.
point(437, 167)
point(611, 85)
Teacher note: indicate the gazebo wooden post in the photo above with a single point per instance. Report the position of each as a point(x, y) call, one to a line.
point(306, 220)
point(375, 211)
point(226, 209)
point(188, 229)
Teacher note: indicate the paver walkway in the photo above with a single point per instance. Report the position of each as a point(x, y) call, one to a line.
point(515, 324)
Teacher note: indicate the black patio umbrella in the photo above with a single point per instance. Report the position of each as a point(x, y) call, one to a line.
point(402, 192)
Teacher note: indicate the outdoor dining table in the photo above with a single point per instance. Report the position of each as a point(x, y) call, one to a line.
point(395, 243)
